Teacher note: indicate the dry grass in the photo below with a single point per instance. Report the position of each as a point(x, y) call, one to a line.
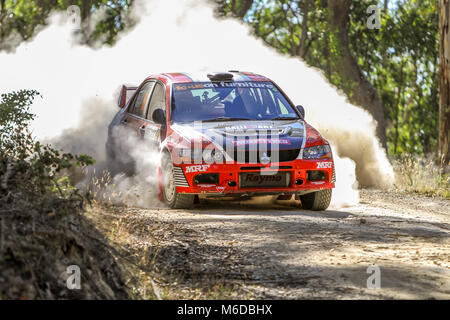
point(422, 176)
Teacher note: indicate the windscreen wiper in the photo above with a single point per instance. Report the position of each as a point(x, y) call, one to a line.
point(225, 119)
point(285, 118)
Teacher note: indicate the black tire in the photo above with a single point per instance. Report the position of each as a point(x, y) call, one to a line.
point(171, 197)
point(317, 201)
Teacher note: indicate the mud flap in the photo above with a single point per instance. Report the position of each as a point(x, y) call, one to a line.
point(160, 193)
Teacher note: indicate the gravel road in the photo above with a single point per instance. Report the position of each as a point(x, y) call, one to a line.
point(275, 251)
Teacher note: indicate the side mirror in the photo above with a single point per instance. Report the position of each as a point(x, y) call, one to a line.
point(159, 117)
point(125, 94)
point(301, 110)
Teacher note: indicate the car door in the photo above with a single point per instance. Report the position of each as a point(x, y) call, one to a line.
point(155, 132)
point(137, 110)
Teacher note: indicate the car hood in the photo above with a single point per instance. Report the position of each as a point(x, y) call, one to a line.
point(286, 134)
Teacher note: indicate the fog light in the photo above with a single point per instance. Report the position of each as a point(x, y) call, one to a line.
point(207, 178)
point(232, 183)
point(298, 182)
point(315, 175)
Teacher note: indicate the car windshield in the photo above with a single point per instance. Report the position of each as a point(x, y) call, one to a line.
point(228, 101)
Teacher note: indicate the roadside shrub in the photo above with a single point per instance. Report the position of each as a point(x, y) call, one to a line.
point(42, 227)
point(26, 165)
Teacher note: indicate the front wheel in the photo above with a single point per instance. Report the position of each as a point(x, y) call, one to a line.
point(317, 201)
point(171, 197)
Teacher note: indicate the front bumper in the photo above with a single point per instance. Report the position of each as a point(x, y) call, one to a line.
point(229, 175)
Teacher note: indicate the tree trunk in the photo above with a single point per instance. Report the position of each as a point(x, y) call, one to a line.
point(86, 9)
point(240, 7)
point(302, 48)
point(361, 90)
point(2, 17)
point(444, 83)
point(397, 108)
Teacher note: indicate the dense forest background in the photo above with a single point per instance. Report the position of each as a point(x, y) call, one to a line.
point(385, 59)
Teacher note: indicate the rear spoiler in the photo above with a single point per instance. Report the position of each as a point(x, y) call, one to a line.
point(125, 94)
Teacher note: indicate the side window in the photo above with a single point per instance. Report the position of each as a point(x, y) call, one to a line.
point(139, 105)
point(158, 100)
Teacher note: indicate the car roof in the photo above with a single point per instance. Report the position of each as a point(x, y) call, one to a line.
point(182, 77)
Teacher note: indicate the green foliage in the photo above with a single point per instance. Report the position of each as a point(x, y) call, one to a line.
point(23, 16)
point(14, 114)
point(400, 59)
point(26, 165)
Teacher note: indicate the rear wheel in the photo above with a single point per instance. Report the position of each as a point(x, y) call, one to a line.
point(318, 201)
point(171, 197)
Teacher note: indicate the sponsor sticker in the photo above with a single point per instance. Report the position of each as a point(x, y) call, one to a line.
point(324, 165)
point(238, 84)
point(241, 142)
point(259, 179)
point(197, 168)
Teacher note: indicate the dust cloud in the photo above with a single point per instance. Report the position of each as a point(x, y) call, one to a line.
point(80, 86)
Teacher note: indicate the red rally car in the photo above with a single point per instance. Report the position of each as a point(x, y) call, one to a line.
point(228, 134)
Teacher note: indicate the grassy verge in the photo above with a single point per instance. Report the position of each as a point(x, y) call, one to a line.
point(421, 176)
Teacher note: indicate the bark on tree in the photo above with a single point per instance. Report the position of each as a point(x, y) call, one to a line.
point(345, 65)
point(444, 83)
point(303, 48)
point(2, 17)
point(86, 9)
point(240, 7)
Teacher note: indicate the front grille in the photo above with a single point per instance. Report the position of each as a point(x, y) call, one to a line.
point(179, 178)
point(254, 156)
point(313, 175)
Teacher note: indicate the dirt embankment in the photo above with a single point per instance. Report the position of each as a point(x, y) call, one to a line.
point(40, 249)
point(223, 250)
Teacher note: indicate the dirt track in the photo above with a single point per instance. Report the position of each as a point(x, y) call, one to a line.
point(282, 252)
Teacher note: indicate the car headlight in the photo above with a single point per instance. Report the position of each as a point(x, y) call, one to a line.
point(201, 155)
point(213, 156)
point(317, 152)
point(190, 155)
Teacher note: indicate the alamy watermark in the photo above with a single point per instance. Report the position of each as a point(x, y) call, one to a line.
point(73, 281)
point(374, 280)
point(74, 16)
point(373, 19)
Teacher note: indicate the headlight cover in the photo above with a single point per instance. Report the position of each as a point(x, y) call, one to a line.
point(317, 152)
point(213, 156)
point(190, 155)
point(201, 155)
